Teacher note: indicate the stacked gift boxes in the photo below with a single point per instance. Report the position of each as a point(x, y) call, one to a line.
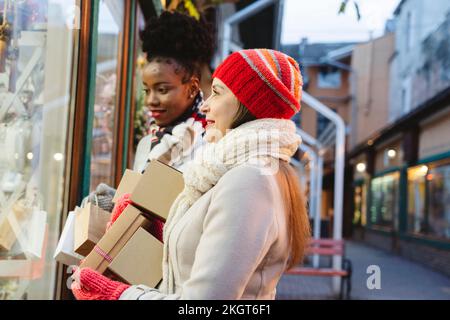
point(127, 251)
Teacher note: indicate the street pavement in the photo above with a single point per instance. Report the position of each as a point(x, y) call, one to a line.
point(400, 279)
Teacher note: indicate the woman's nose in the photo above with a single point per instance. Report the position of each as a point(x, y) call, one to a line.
point(152, 99)
point(204, 108)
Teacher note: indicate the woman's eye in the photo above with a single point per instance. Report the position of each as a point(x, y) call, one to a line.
point(163, 90)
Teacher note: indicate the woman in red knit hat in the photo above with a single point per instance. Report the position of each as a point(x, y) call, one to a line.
point(241, 220)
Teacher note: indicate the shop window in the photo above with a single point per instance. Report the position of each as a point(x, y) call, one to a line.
point(384, 201)
point(37, 55)
point(429, 200)
point(104, 135)
point(360, 202)
point(329, 78)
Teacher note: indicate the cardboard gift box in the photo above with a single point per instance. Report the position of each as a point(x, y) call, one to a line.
point(157, 189)
point(65, 252)
point(23, 268)
point(127, 184)
point(140, 260)
point(90, 226)
point(8, 236)
point(115, 239)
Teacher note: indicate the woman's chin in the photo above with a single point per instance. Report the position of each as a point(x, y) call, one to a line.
point(162, 122)
point(212, 134)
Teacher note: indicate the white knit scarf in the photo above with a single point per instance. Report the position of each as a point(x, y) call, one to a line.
point(251, 142)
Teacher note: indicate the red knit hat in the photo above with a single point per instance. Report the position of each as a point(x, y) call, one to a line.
point(267, 82)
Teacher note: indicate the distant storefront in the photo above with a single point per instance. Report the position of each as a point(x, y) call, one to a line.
point(401, 189)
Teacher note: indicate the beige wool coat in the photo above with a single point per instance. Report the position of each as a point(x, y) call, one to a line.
point(231, 244)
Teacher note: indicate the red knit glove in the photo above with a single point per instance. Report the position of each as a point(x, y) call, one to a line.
point(156, 229)
point(120, 206)
point(91, 285)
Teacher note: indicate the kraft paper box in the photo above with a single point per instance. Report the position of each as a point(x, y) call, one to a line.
point(64, 252)
point(8, 236)
point(115, 239)
point(90, 226)
point(157, 189)
point(127, 184)
point(140, 260)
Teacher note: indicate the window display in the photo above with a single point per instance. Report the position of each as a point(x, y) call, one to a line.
point(429, 200)
point(37, 42)
point(360, 202)
point(384, 201)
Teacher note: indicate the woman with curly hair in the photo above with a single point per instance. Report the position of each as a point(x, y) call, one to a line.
point(177, 47)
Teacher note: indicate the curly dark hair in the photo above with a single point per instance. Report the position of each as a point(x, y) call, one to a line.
point(176, 36)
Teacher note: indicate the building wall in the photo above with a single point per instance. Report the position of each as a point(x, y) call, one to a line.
point(334, 98)
point(434, 136)
point(337, 99)
point(371, 64)
point(308, 119)
point(415, 21)
point(433, 67)
point(383, 162)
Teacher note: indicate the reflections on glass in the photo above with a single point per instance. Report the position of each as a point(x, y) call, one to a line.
point(384, 201)
point(108, 54)
point(429, 200)
point(359, 218)
point(36, 59)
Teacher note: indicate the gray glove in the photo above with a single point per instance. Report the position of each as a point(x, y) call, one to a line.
point(103, 194)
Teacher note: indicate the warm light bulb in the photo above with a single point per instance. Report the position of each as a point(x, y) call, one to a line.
point(361, 167)
point(423, 170)
point(391, 153)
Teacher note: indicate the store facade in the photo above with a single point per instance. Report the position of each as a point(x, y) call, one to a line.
point(68, 96)
point(401, 189)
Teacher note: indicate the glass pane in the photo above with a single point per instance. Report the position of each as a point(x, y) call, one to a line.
point(416, 199)
point(360, 205)
point(438, 208)
point(36, 62)
point(429, 200)
point(110, 31)
point(384, 201)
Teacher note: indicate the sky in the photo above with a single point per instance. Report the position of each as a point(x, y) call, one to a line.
point(319, 21)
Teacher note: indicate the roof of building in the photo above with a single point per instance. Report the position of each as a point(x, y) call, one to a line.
point(315, 53)
point(291, 50)
point(399, 7)
point(340, 53)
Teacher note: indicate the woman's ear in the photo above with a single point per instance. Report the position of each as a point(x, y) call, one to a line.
point(194, 87)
